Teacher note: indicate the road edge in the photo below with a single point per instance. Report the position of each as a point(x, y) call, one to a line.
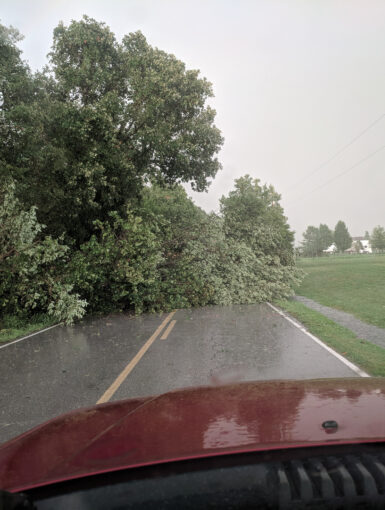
point(28, 336)
point(302, 328)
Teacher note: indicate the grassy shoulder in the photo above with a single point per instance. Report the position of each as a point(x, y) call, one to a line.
point(366, 355)
point(12, 328)
point(352, 283)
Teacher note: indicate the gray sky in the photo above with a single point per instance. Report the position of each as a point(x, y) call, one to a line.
point(294, 82)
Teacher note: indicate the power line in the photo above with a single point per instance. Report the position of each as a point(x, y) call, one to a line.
point(342, 173)
point(326, 162)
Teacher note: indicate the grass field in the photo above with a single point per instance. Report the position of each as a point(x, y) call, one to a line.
point(366, 355)
point(352, 283)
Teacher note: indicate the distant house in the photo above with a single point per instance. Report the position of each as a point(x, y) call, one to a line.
point(332, 249)
point(364, 247)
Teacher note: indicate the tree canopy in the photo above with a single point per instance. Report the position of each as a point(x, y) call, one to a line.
point(32, 265)
point(110, 117)
point(315, 240)
point(326, 236)
point(342, 238)
point(252, 213)
point(377, 239)
point(94, 217)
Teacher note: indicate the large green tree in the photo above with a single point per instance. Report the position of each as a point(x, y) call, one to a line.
point(326, 236)
point(252, 213)
point(311, 244)
point(254, 221)
point(113, 117)
point(315, 240)
point(96, 148)
point(342, 238)
point(377, 239)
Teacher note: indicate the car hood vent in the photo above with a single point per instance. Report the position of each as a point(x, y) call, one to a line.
point(294, 479)
point(351, 480)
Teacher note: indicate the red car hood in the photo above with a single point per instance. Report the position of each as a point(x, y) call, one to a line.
point(192, 423)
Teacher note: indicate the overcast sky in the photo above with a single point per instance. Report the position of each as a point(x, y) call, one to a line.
point(294, 82)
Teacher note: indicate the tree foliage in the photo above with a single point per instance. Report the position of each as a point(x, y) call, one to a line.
point(31, 265)
point(254, 219)
point(315, 240)
point(222, 259)
point(311, 246)
point(184, 232)
point(14, 73)
point(326, 236)
point(108, 118)
point(357, 245)
point(342, 237)
point(252, 214)
point(93, 152)
point(117, 268)
point(377, 239)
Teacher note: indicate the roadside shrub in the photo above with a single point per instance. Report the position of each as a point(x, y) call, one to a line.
point(31, 266)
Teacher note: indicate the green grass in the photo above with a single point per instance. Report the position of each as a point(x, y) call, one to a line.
point(368, 356)
point(352, 283)
point(12, 328)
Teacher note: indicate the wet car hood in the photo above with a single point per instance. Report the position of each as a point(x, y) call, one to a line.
point(192, 423)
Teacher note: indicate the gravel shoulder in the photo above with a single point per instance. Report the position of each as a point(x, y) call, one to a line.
point(365, 331)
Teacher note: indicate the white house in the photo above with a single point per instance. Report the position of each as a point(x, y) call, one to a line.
point(365, 243)
point(332, 249)
point(366, 248)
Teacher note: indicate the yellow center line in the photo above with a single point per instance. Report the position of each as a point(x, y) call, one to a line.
point(168, 330)
point(122, 376)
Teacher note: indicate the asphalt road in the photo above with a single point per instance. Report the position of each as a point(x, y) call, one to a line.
point(119, 357)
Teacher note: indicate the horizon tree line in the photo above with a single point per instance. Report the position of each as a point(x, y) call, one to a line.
point(318, 239)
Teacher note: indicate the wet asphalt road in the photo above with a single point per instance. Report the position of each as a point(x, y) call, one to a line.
point(71, 367)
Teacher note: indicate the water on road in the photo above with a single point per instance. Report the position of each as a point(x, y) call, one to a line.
point(66, 368)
